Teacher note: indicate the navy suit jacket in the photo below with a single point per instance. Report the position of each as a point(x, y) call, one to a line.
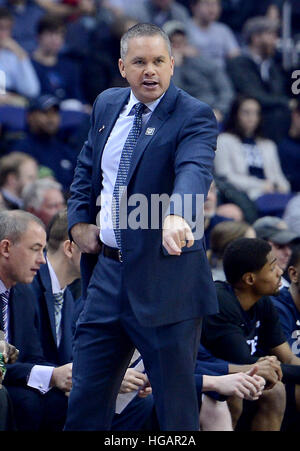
point(176, 159)
point(42, 289)
point(23, 329)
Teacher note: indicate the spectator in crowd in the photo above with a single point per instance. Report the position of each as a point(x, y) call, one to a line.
point(247, 326)
point(213, 39)
point(104, 49)
point(256, 74)
point(20, 77)
point(198, 75)
point(79, 30)
point(37, 388)
point(44, 140)
point(26, 15)
point(292, 214)
point(221, 235)
point(157, 11)
point(230, 211)
point(58, 75)
point(236, 12)
point(64, 9)
point(287, 303)
point(43, 198)
point(280, 239)
point(249, 161)
point(17, 169)
point(288, 150)
point(211, 218)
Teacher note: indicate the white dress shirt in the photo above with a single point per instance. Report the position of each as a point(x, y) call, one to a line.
point(110, 164)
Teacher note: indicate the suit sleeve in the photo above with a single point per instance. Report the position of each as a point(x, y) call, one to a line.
point(193, 161)
point(26, 339)
point(80, 190)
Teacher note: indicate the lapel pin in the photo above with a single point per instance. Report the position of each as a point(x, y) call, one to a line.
point(150, 131)
point(101, 128)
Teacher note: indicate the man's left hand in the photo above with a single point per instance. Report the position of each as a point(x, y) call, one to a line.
point(176, 234)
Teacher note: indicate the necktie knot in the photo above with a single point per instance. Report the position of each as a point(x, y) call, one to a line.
point(59, 297)
point(139, 108)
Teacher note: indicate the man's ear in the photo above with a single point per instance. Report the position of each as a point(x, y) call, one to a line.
point(67, 246)
point(293, 274)
point(122, 68)
point(5, 246)
point(249, 278)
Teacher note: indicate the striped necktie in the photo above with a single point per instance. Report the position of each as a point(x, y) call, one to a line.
point(58, 305)
point(124, 166)
point(4, 312)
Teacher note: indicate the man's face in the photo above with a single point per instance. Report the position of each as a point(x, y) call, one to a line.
point(282, 253)
point(28, 173)
point(53, 203)
point(52, 41)
point(207, 11)
point(44, 122)
point(266, 43)
point(162, 4)
point(25, 257)
point(147, 67)
point(267, 280)
point(294, 274)
point(5, 29)
point(178, 41)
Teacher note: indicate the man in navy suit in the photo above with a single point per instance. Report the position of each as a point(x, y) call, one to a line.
point(36, 388)
point(55, 301)
point(145, 285)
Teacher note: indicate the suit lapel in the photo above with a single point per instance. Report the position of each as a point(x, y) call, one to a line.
point(158, 117)
point(106, 123)
point(65, 347)
point(46, 282)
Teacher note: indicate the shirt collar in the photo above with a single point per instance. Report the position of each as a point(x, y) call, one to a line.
point(54, 280)
point(133, 101)
point(3, 288)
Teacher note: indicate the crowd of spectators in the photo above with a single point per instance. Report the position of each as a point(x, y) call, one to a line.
point(56, 56)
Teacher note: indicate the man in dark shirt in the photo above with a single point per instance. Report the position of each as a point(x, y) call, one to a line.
point(287, 303)
point(247, 326)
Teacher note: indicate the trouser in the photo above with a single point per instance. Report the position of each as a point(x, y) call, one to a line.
point(106, 335)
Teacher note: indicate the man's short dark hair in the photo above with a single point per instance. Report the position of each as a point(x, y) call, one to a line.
point(11, 164)
point(57, 231)
point(5, 14)
point(140, 30)
point(50, 22)
point(244, 255)
point(258, 25)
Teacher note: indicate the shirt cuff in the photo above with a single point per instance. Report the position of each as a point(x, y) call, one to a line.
point(40, 377)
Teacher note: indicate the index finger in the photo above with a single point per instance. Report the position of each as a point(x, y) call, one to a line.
point(189, 237)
